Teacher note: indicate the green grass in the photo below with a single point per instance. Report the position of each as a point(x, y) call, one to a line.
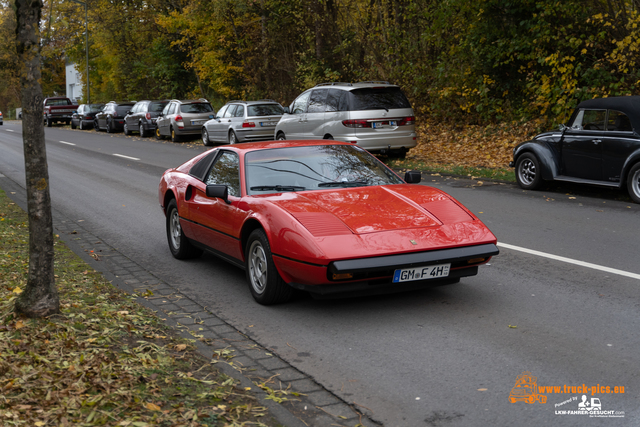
point(464, 171)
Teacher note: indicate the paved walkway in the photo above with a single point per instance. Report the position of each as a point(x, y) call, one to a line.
point(239, 356)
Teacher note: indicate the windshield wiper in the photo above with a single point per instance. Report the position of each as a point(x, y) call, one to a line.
point(343, 184)
point(277, 188)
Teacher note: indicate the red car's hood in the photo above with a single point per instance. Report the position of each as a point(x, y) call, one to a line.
point(365, 210)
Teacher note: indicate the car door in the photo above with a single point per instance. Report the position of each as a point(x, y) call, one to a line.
point(294, 125)
point(581, 149)
point(315, 114)
point(214, 126)
point(164, 121)
point(618, 142)
point(216, 222)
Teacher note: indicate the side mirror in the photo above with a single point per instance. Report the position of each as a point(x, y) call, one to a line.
point(218, 191)
point(287, 110)
point(412, 177)
point(129, 112)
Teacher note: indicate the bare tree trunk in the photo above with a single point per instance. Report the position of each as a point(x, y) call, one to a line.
point(40, 297)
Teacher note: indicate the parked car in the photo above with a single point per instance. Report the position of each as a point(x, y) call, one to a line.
point(183, 118)
point(600, 146)
point(111, 118)
point(1, 118)
point(321, 216)
point(242, 121)
point(58, 109)
point(85, 115)
point(375, 115)
point(142, 117)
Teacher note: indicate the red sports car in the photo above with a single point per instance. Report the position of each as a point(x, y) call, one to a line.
point(323, 216)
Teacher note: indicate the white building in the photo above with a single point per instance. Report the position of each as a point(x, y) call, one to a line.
point(75, 88)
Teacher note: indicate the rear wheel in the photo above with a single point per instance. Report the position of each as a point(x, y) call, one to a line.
point(174, 136)
point(81, 124)
point(280, 136)
point(49, 122)
point(179, 245)
point(205, 137)
point(110, 128)
point(528, 172)
point(265, 283)
point(633, 183)
point(232, 137)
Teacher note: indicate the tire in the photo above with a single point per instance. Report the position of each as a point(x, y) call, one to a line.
point(179, 245)
point(141, 130)
point(159, 136)
point(265, 283)
point(232, 139)
point(81, 125)
point(205, 138)
point(126, 129)
point(49, 122)
point(174, 136)
point(633, 182)
point(281, 137)
point(96, 126)
point(109, 127)
point(528, 172)
point(72, 125)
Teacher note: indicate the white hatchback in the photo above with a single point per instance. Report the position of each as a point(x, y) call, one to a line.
point(377, 116)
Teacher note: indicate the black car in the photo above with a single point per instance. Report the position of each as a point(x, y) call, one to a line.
point(84, 116)
point(600, 146)
point(111, 118)
point(142, 117)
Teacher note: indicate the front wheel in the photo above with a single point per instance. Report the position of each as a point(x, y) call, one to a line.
point(280, 136)
point(141, 130)
point(633, 183)
point(265, 283)
point(528, 172)
point(110, 128)
point(49, 122)
point(95, 126)
point(73, 125)
point(158, 134)
point(126, 129)
point(179, 245)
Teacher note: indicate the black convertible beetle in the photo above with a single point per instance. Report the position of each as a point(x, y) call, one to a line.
point(599, 146)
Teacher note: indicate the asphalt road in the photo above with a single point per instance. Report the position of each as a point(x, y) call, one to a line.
point(449, 356)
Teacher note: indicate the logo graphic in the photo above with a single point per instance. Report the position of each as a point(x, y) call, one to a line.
point(526, 389)
point(594, 405)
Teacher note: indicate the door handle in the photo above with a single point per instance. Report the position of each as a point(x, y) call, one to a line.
point(597, 141)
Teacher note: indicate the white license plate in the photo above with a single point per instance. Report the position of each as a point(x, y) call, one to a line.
point(197, 122)
point(268, 123)
point(421, 273)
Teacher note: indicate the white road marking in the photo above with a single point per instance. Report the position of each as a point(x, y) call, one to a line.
point(571, 261)
point(10, 130)
point(65, 142)
point(126, 157)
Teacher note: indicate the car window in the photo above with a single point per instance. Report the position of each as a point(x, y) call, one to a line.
point(316, 101)
point(230, 109)
point(299, 106)
point(135, 108)
point(199, 107)
point(156, 107)
point(221, 112)
point(377, 98)
point(226, 171)
point(122, 109)
point(618, 122)
point(239, 111)
point(337, 100)
point(264, 110)
point(589, 120)
point(314, 168)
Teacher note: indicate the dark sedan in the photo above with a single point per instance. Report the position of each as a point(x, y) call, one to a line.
point(143, 116)
point(600, 146)
point(85, 115)
point(111, 118)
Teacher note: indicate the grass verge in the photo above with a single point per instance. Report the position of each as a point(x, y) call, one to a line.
point(105, 360)
point(446, 169)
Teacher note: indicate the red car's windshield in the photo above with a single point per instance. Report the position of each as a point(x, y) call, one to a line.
point(314, 168)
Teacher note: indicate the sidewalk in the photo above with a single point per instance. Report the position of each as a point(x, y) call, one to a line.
point(237, 355)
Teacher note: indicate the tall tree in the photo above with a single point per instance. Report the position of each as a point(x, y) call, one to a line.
point(40, 296)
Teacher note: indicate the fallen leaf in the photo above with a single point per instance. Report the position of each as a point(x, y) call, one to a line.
point(152, 406)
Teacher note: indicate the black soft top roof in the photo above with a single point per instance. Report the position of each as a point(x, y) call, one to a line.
point(630, 105)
